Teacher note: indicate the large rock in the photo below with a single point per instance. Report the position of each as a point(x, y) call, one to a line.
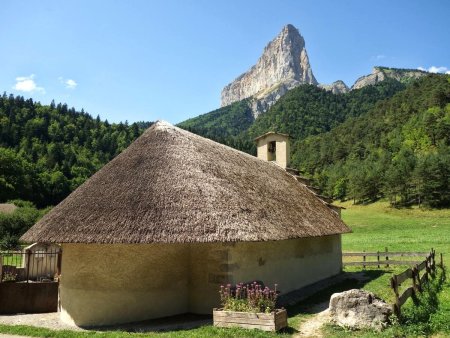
point(283, 65)
point(359, 309)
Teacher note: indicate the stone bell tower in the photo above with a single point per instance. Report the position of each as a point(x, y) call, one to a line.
point(274, 147)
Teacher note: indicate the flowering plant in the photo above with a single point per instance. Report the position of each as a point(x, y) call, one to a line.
point(250, 297)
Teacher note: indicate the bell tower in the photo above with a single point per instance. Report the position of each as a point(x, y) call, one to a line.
point(274, 147)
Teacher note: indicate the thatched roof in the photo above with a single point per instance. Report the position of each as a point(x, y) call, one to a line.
point(172, 186)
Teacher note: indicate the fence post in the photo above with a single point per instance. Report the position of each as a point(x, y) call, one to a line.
point(1, 268)
point(433, 256)
point(364, 260)
point(28, 256)
point(58, 264)
point(394, 286)
point(414, 279)
point(378, 259)
point(387, 257)
point(427, 269)
point(419, 282)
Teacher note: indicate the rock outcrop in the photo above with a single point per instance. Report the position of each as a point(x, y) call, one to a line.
point(358, 309)
point(337, 87)
point(382, 73)
point(283, 65)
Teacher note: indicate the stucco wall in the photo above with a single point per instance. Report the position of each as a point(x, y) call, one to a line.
point(208, 270)
point(291, 264)
point(282, 149)
point(108, 284)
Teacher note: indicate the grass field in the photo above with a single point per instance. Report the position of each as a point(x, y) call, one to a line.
point(375, 227)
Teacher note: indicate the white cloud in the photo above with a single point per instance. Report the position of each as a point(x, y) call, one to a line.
point(434, 69)
point(68, 83)
point(27, 84)
point(380, 56)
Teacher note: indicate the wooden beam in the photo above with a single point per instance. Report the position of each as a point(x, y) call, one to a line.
point(405, 295)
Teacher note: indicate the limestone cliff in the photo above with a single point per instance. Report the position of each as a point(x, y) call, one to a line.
point(337, 87)
point(382, 73)
point(283, 65)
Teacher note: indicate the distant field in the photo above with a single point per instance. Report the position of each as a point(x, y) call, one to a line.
point(377, 226)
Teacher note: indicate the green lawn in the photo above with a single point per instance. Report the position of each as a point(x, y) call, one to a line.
point(375, 227)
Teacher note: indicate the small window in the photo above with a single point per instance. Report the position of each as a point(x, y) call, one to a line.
point(272, 147)
point(272, 151)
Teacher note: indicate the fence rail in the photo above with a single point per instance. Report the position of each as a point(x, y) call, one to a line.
point(30, 265)
point(428, 266)
point(383, 258)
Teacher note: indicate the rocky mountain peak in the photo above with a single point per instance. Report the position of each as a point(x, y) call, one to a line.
point(337, 87)
point(283, 65)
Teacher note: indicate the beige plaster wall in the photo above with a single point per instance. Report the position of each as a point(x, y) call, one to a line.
point(291, 264)
point(282, 149)
point(208, 270)
point(108, 284)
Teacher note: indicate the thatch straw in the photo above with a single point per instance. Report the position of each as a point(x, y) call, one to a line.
point(173, 186)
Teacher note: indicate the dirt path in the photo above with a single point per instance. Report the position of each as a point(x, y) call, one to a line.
point(311, 327)
point(321, 315)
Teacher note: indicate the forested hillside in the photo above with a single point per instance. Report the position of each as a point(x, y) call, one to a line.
point(225, 125)
point(46, 151)
point(309, 110)
point(399, 149)
point(303, 111)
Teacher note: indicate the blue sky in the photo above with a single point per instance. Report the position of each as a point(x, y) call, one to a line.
point(147, 60)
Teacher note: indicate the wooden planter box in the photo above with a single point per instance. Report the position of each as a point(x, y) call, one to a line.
point(263, 321)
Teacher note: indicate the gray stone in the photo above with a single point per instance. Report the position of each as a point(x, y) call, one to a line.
point(283, 65)
point(337, 87)
point(359, 309)
point(380, 74)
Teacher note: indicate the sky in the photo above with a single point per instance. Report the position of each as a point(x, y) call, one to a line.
point(146, 60)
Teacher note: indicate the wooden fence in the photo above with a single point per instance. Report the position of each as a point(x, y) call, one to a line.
point(419, 274)
point(383, 258)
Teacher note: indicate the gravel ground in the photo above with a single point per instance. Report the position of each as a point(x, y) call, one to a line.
point(47, 320)
point(52, 321)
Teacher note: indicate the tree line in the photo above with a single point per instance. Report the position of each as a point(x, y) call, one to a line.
point(47, 151)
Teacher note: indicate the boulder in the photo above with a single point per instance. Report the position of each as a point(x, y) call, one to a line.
point(359, 309)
